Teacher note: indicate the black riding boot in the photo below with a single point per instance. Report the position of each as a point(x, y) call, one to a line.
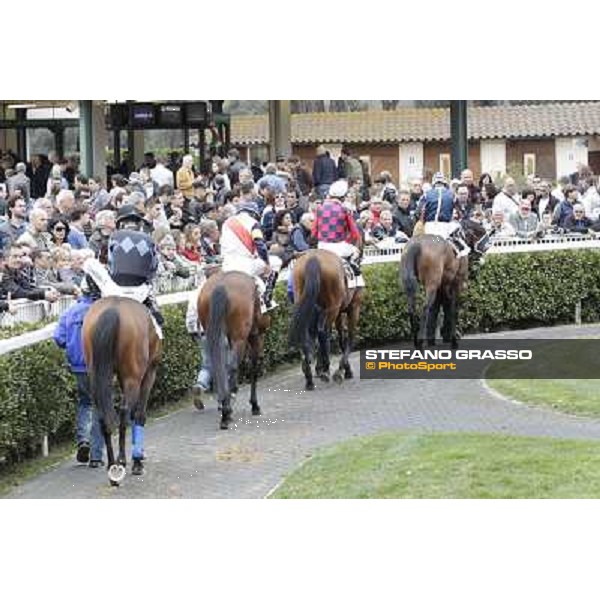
point(152, 305)
point(355, 266)
point(270, 286)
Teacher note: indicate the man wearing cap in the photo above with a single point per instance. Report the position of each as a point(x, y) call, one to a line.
point(243, 247)
point(132, 259)
point(437, 206)
point(334, 227)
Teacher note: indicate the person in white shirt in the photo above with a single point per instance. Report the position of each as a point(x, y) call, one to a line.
point(161, 175)
point(507, 200)
point(590, 198)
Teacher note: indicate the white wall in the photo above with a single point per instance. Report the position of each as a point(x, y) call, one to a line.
point(410, 161)
point(99, 139)
point(493, 157)
point(569, 152)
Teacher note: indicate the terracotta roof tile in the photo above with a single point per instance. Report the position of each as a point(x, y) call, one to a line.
point(427, 124)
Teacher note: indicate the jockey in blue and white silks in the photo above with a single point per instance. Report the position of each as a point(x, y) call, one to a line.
point(437, 208)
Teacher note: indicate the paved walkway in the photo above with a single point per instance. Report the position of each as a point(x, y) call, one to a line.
point(189, 457)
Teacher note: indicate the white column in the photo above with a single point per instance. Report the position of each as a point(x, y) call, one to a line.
point(493, 157)
point(570, 152)
point(99, 139)
point(410, 162)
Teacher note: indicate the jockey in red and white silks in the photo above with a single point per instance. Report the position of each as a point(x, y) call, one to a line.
point(244, 249)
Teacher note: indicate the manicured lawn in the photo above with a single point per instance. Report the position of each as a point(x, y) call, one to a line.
point(449, 465)
point(574, 396)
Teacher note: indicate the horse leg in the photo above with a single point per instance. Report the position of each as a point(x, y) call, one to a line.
point(256, 343)
point(453, 316)
point(116, 472)
point(412, 315)
point(110, 455)
point(131, 396)
point(343, 341)
point(430, 299)
point(225, 401)
point(433, 318)
point(307, 346)
point(138, 418)
point(323, 336)
point(353, 317)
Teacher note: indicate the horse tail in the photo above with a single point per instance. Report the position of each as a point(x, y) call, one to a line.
point(104, 340)
point(408, 273)
point(307, 310)
point(216, 342)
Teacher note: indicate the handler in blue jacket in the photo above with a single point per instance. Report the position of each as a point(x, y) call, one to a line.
point(90, 443)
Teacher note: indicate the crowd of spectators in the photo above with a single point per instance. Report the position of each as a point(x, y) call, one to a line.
point(52, 217)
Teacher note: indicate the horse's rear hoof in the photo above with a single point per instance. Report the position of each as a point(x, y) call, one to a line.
point(310, 387)
point(324, 377)
point(224, 425)
point(116, 474)
point(256, 410)
point(137, 468)
point(337, 377)
point(348, 374)
point(198, 404)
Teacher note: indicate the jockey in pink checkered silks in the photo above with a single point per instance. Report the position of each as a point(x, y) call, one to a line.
point(334, 226)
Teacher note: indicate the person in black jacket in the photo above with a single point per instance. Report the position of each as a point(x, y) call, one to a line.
point(15, 282)
point(402, 214)
point(324, 172)
point(577, 222)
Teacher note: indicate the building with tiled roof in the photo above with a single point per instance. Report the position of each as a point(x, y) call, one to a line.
point(549, 139)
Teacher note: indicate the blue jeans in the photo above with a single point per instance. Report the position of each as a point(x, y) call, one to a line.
point(204, 379)
point(290, 289)
point(88, 426)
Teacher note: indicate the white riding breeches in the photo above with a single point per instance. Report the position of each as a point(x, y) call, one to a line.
point(249, 264)
point(342, 249)
point(252, 266)
point(441, 228)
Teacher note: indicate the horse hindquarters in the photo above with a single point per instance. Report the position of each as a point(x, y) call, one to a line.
point(305, 317)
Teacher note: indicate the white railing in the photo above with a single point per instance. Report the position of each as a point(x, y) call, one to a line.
point(28, 311)
point(381, 252)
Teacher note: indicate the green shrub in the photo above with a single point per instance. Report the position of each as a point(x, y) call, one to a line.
point(37, 391)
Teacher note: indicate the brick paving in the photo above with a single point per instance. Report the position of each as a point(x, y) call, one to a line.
point(189, 457)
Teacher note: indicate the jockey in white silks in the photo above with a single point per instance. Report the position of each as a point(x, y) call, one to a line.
point(335, 229)
point(244, 249)
point(437, 206)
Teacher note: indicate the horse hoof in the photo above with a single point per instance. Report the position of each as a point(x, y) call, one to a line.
point(337, 377)
point(256, 411)
point(116, 474)
point(138, 468)
point(224, 425)
point(324, 377)
point(348, 375)
point(310, 387)
point(198, 404)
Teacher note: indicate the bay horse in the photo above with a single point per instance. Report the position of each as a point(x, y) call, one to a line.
point(229, 312)
point(431, 261)
point(119, 337)
point(322, 298)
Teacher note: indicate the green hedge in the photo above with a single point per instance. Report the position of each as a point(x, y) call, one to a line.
point(511, 291)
